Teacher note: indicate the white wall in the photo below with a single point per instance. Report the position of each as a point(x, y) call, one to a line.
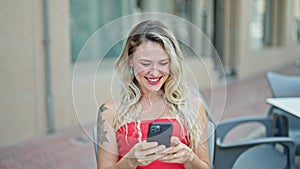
point(22, 87)
point(254, 61)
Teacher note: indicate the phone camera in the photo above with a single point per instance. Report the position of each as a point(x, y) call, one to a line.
point(155, 129)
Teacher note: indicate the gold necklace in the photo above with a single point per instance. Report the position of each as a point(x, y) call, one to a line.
point(154, 114)
point(148, 98)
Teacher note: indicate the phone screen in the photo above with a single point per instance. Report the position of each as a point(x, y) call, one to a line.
point(160, 132)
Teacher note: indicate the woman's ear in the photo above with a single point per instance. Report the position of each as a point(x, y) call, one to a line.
point(130, 61)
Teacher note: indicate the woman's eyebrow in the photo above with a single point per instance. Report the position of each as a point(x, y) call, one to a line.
point(144, 60)
point(167, 59)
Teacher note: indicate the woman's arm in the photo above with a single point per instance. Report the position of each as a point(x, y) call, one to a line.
point(107, 144)
point(200, 159)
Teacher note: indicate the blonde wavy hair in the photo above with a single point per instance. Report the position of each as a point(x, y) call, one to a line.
point(176, 91)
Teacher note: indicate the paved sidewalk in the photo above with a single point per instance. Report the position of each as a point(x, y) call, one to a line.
point(72, 149)
point(68, 149)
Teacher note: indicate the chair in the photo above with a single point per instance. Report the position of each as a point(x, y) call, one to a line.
point(283, 85)
point(95, 142)
point(254, 153)
point(211, 141)
point(269, 152)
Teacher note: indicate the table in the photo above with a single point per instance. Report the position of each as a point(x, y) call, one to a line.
point(290, 105)
point(290, 109)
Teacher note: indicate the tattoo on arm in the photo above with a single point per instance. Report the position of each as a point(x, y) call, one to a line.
point(101, 133)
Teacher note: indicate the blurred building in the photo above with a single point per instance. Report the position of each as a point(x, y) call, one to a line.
point(41, 41)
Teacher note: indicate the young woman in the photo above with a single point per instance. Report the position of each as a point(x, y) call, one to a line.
point(154, 90)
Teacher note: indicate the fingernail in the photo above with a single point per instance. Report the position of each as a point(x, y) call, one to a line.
point(162, 146)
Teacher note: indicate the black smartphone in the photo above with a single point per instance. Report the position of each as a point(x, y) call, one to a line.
point(160, 132)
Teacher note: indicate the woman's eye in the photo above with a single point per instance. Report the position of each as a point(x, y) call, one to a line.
point(164, 63)
point(145, 64)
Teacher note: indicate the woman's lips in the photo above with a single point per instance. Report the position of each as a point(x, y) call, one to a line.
point(153, 81)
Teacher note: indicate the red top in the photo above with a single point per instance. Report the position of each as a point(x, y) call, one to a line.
point(125, 143)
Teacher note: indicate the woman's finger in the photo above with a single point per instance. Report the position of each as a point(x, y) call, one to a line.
point(176, 146)
point(154, 150)
point(146, 145)
point(175, 141)
point(178, 157)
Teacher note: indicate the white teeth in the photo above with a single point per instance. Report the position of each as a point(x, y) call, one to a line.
point(153, 79)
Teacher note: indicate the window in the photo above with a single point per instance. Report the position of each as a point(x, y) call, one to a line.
point(296, 34)
point(87, 17)
point(256, 22)
point(266, 23)
point(198, 12)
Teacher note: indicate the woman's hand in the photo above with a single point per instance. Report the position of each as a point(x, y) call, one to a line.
point(177, 152)
point(144, 153)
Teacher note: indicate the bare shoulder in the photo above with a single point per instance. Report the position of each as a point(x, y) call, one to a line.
point(108, 110)
point(196, 101)
point(198, 105)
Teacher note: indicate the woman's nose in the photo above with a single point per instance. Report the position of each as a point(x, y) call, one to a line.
point(154, 71)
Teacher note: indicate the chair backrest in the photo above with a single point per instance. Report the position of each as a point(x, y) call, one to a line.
point(282, 85)
point(211, 141)
point(95, 142)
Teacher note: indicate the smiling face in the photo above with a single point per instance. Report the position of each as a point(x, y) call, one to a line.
point(151, 65)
